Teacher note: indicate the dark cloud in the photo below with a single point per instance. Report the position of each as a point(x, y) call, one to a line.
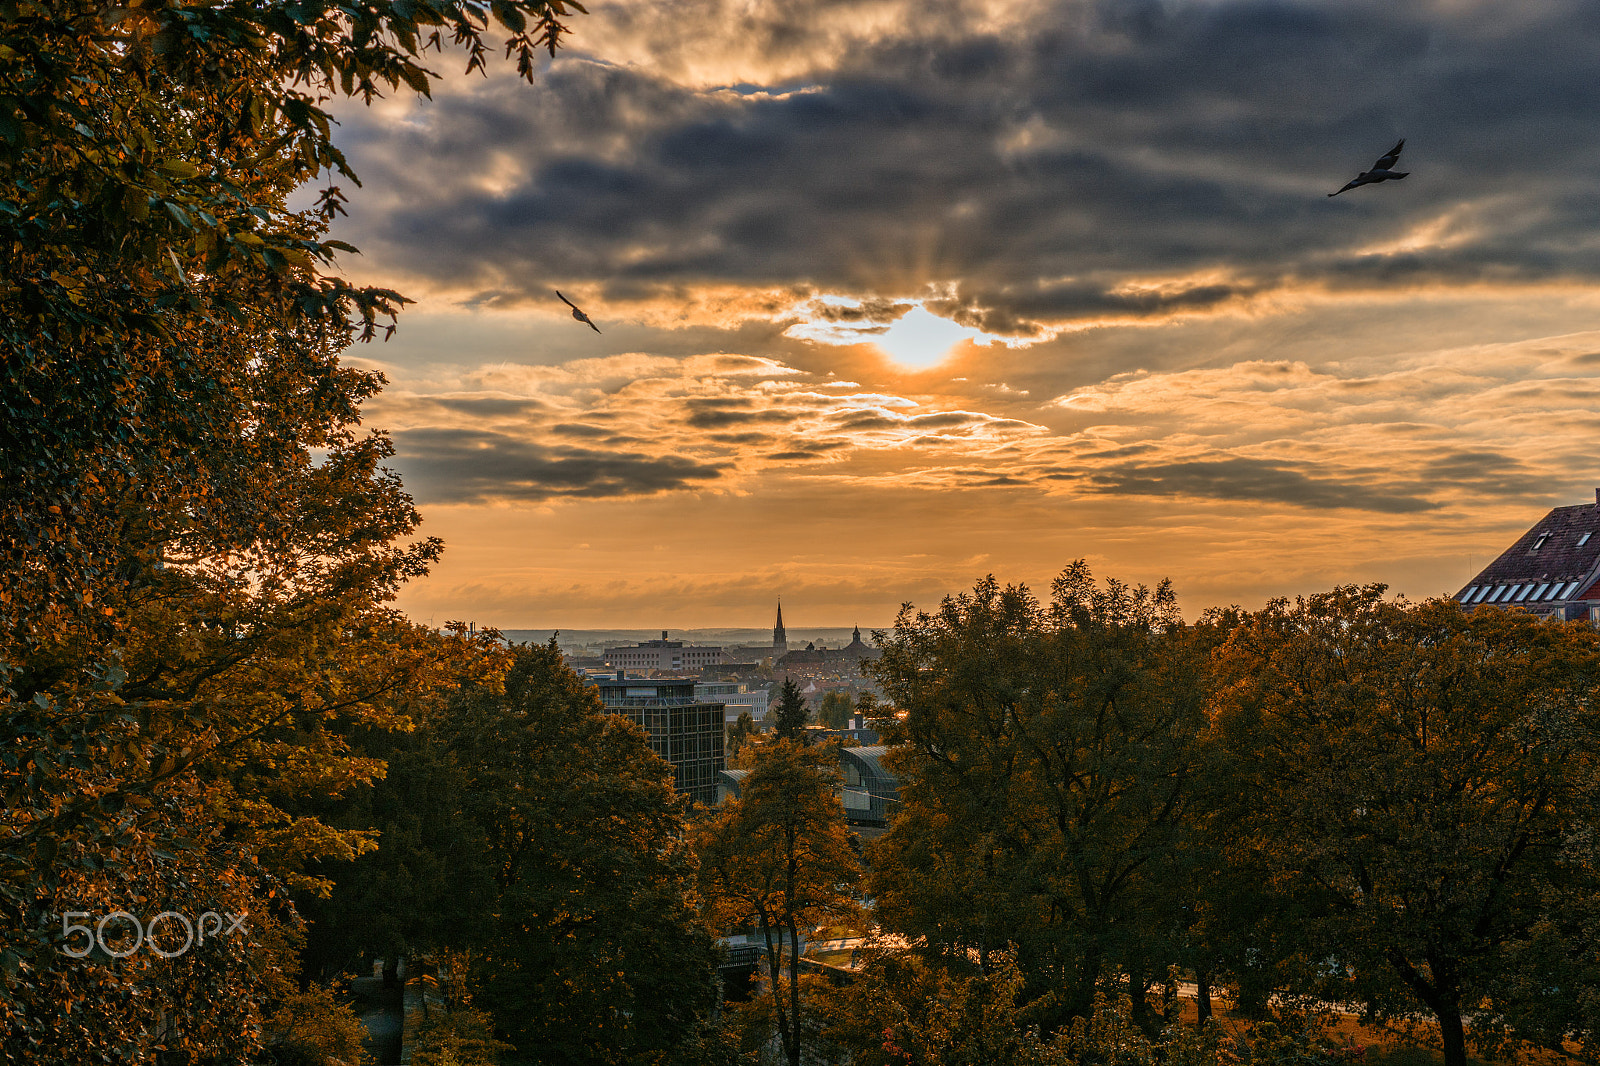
point(1039, 167)
point(487, 406)
point(470, 466)
point(714, 419)
point(870, 310)
point(1239, 478)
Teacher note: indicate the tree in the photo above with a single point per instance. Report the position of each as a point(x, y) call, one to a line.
point(835, 710)
point(779, 855)
point(790, 712)
point(146, 155)
point(901, 1011)
point(743, 728)
point(1420, 780)
point(196, 543)
point(430, 880)
point(591, 952)
point(1047, 761)
point(318, 1030)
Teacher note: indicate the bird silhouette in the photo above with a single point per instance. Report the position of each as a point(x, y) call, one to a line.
point(1381, 170)
point(577, 314)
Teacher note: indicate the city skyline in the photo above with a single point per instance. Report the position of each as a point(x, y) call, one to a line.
point(897, 297)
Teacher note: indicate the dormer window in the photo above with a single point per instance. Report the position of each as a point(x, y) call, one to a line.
point(1539, 543)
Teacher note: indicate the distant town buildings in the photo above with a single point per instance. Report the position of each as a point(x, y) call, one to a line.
point(814, 660)
point(684, 730)
point(664, 656)
point(1553, 570)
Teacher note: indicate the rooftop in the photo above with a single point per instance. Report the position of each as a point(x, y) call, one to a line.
point(1554, 561)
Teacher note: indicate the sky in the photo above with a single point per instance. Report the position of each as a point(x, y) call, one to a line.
point(898, 293)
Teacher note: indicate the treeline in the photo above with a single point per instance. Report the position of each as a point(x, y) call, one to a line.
point(1337, 800)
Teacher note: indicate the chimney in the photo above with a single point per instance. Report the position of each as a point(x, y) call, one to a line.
point(1596, 496)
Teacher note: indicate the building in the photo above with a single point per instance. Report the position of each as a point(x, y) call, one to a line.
point(780, 639)
point(1553, 570)
point(663, 656)
point(845, 660)
point(685, 731)
point(868, 792)
point(735, 697)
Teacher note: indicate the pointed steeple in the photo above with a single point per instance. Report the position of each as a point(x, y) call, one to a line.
point(780, 639)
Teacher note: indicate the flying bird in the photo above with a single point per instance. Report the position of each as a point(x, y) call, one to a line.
point(1381, 170)
point(577, 314)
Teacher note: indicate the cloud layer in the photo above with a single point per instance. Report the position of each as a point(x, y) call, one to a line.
point(1039, 165)
point(1215, 370)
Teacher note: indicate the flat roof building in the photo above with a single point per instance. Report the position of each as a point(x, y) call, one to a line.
point(1553, 570)
point(685, 731)
point(664, 656)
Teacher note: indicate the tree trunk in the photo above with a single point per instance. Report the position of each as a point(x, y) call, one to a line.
point(1138, 988)
point(793, 1048)
point(1452, 1033)
point(1202, 999)
point(775, 971)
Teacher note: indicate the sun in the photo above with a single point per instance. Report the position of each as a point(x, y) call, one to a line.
point(916, 338)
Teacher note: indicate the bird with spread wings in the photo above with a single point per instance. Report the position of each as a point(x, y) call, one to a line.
point(577, 314)
point(1382, 170)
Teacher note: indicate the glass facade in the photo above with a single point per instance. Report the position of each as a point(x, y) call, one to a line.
point(686, 732)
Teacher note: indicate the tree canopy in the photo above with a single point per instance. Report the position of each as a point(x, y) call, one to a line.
point(198, 542)
point(1048, 761)
point(1421, 779)
point(591, 952)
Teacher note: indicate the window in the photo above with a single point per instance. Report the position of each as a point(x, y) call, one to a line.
point(1481, 594)
point(1571, 588)
point(1524, 593)
point(1583, 540)
point(1538, 593)
point(1466, 597)
point(1539, 543)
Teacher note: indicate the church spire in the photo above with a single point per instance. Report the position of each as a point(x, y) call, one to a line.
point(780, 639)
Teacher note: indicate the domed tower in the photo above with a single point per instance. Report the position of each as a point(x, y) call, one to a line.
point(780, 640)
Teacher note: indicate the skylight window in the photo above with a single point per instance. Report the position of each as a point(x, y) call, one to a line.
point(1466, 597)
point(1583, 540)
point(1555, 591)
point(1481, 594)
point(1573, 587)
point(1538, 593)
point(1524, 593)
point(1539, 543)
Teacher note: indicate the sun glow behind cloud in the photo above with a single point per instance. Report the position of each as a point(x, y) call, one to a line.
point(908, 333)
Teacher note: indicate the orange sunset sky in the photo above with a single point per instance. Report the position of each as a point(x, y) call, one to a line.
point(896, 294)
